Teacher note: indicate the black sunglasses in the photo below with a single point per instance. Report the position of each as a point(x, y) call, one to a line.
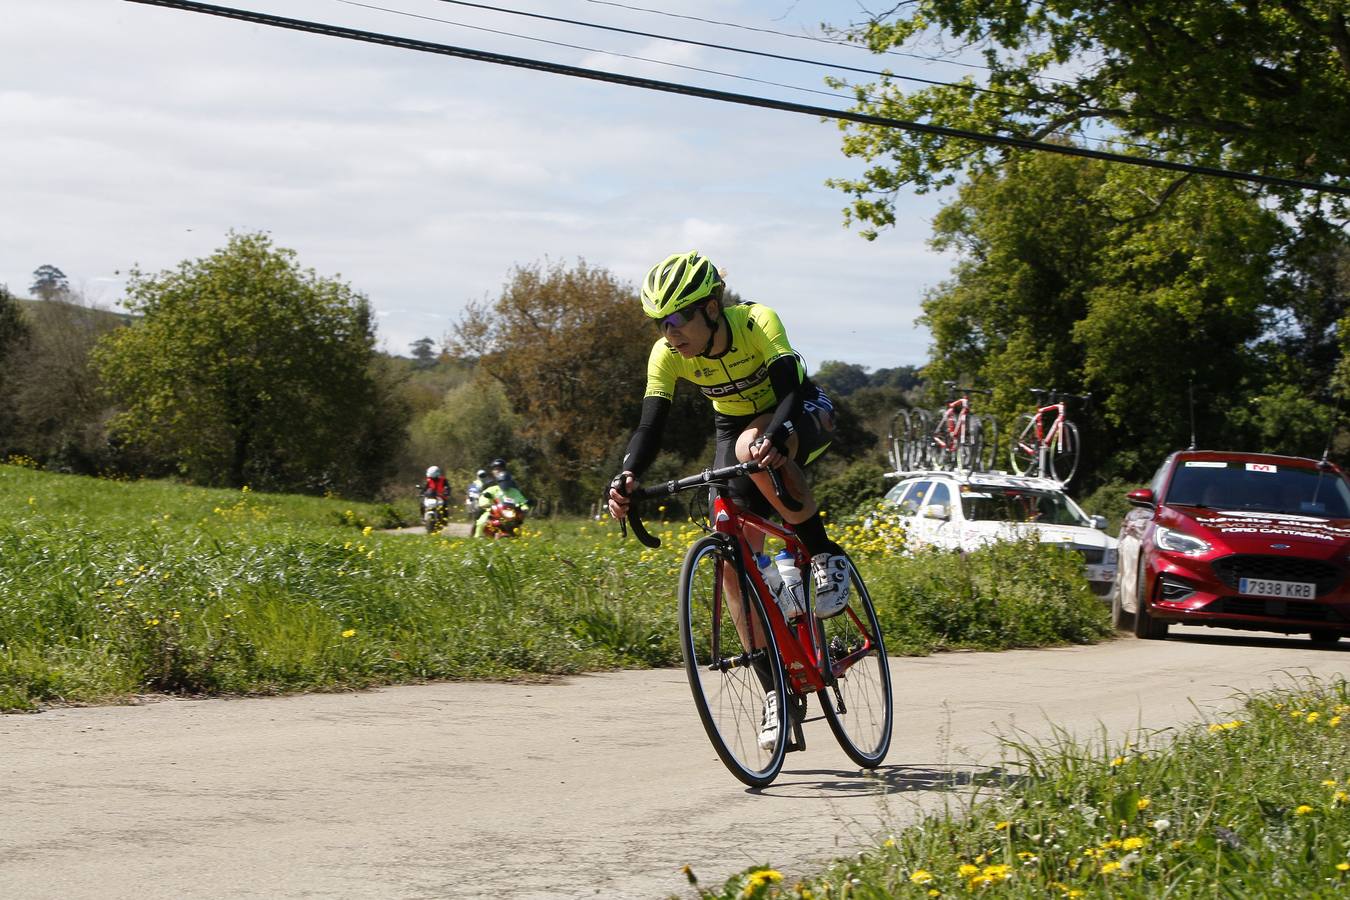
point(680, 318)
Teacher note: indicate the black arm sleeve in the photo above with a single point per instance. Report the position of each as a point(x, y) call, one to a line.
point(646, 440)
point(787, 385)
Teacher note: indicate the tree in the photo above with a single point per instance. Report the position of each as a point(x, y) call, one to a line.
point(1072, 279)
point(244, 369)
point(49, 283)
point(56, 413)
point(569, 347)
point(1259, 87)
point(13, 329)
point(839, 379)
point(423, 352)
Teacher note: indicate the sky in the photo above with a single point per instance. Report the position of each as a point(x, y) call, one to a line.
point(139, 136)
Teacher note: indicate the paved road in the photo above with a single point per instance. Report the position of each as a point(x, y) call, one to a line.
point(594, 786)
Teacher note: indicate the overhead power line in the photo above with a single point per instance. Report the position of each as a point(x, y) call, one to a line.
point(406, 43)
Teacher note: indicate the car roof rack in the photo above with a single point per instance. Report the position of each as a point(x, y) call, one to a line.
point(988, 479)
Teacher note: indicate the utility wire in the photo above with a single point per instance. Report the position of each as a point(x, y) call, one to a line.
point(789, 34)
point(871, 97)
point(725, 96)
point(539, 40)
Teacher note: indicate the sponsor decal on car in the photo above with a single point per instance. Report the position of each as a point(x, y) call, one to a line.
point(1261, 467)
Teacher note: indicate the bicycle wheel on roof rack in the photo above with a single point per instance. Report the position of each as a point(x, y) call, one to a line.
point(968, 445)
point(1064, 453)
point(898, 440)
point(920, 439)
point(988, 444)
point(1025, 451)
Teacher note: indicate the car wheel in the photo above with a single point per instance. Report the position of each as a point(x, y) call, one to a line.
point(1145, 626)
point(1324, 636)
point(1122, 620)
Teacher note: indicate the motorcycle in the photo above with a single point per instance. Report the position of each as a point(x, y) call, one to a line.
point(505, 519)
point(435, 512)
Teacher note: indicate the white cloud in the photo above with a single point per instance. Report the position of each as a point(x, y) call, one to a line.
point(423, 180)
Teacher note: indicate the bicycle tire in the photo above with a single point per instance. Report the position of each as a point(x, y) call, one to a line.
point(899, 440)
point(1025, 449)
point(723, 677)
point(1064, 456)
point(920, 439)
point(942, 456)
point(858, 703)
point(988, 443)
point(968, 444)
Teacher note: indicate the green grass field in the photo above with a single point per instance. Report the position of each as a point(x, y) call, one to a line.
point(110, 589)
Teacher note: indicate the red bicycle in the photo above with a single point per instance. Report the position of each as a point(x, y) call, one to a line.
point(748, 666)
point(1048, 449)
point(958, 439)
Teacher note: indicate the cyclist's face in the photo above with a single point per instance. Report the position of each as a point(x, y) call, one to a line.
point(690, 336)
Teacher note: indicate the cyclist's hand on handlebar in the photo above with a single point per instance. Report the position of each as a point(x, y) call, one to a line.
point(766, 454)
point(621, 493)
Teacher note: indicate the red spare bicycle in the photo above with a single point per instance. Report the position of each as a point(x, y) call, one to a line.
point(1047, 449)
point(738, 647)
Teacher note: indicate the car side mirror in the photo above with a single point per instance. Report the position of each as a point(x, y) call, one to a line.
point(935, 511)
point(1099, 523)
point(1142, 498)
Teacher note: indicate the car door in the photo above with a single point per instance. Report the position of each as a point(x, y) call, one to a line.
point(944, 532)
point(920, 527)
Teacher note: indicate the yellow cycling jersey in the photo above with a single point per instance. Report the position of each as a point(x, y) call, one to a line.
point(737, 382)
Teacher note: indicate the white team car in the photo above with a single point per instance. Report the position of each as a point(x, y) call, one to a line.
point(966, 510)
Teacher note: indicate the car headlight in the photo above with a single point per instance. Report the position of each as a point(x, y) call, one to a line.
point(1179, 542)
point(1110, 557)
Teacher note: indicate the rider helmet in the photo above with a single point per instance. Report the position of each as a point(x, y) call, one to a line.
point(679, 281)
point(499, 463)
point(434, 472)
point(482, 473)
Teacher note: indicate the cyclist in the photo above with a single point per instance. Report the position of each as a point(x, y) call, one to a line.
point(765, 408)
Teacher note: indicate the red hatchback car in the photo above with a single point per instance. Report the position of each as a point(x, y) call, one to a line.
point(1237, 540)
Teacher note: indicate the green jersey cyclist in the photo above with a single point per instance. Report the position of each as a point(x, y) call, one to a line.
point(765, 408)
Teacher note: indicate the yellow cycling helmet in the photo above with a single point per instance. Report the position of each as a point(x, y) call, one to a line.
point(680, 280)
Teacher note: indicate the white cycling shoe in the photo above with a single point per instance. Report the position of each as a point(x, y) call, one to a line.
point(768, 731)
point(829, 573)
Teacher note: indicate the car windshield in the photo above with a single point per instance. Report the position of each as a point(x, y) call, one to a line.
point(1259, 487)
point(989, 504)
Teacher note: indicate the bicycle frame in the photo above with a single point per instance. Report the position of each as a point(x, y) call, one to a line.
point(798, 641)
point(1052, 436)
point(952, 424)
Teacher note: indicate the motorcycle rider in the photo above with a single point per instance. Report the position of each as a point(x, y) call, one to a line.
point(437, 485)
point(503, 488)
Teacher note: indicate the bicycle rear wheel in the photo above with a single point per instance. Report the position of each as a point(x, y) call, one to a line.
point(968, 444)
point(1025, 450)
point(1064, 454)
point(988, 443)
point(920, 439)
point(899, 440)
point(729, 677)
point(858, 703)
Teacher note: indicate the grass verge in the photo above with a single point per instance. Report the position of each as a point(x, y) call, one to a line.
point(109, 589)
point(1257, 806)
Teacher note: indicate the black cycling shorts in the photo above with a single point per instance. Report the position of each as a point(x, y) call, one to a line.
point(814, 427)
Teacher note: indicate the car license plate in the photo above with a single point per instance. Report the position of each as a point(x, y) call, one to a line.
point(1262, 587)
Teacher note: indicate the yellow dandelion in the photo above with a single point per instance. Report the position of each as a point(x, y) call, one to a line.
point(921, 876)
point(1143, 803)
point(1313, 717)
point(1131, 843)
point(966, 870)
point(1343, 867)
point(1118, 761)
point(1108, 868)
point(1334, 721)
point(1302, 809)
point(1340, 797)
point(1002, 826)
point(367, 530)
point(350, 632)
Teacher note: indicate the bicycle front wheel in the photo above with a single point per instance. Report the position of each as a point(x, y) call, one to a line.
point(1064, 455)
point(989, 443)
point(899, 441)
point(920, 439)
point(731, 660)
point(1026, 449)
point(857, 697)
